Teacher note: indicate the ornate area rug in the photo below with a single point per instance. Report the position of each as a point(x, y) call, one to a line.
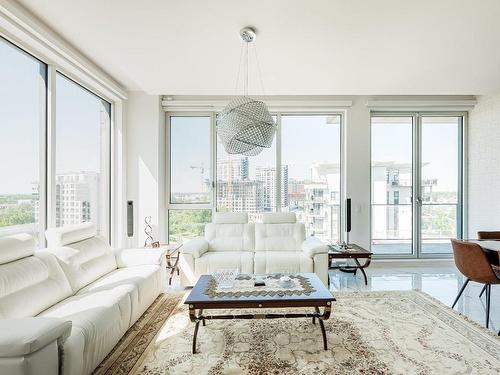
point(368, 333)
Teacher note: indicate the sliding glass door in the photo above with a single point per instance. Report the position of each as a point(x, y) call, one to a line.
point(392, 185)
point(416, 179)
point(440, 182)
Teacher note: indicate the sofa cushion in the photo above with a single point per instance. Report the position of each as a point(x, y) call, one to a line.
point(85, 261)
point(16, 247)
point(230, 237)
point(280, 261)
point(213, 261)
point(99, 321)
point(279, 237)
point(279, 217)
point(30, 285)
point(62, 236)
point(231, 218)
point(142, 283)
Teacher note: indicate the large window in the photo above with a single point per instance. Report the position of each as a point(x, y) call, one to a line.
point(416, 183)
point(311, 165)
point(189, 204)
point(82, 156)
point(22, 132)
point(190, 178)
point(58, 180)
point(304, 177)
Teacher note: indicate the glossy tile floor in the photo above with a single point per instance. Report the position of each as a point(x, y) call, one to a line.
point(439, 279)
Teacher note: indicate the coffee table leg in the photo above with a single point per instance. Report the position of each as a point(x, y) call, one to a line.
point(323, 331)
point(200, 314)
point(194, 336)
point(362, 270)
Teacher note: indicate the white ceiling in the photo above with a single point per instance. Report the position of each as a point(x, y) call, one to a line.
point(322, 47)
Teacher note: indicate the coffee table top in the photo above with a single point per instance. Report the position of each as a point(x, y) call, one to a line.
point(203, 292)
point(354, 251)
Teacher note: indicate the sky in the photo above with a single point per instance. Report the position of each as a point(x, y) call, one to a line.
point(393, 142)
point(22, 114)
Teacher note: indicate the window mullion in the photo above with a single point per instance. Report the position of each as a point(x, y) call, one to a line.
point(51, 148)
point(278, 199)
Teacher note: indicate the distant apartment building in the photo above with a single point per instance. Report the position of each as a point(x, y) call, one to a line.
point(233, 169)
point(321, 209)
point(240, 196)
point(296, 193)
point(77, 198)
point(235, 191)
point(267, 175)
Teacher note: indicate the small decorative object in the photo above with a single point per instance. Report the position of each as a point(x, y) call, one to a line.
point(148, 229)
point(286, 281)
point(155, 245)
point(245, 126)
point(259, 281)
point(225, 277)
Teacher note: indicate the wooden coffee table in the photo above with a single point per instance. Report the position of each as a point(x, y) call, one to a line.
point(318, 296)
point(354, 252)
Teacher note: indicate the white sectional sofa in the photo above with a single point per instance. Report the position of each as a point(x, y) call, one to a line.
point(64, 308)
point(277, 244)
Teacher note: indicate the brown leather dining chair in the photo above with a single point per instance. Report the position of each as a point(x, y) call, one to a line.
point(472, 262)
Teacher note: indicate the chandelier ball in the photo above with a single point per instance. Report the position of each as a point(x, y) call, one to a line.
point(246, 127)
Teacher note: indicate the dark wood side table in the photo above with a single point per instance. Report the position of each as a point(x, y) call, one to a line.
point(172, 257)
point(354, 252)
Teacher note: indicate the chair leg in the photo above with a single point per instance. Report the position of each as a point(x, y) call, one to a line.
point(482, 291)
point(460, 293)
point(488, 296)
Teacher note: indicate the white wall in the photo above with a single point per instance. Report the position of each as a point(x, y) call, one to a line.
point(144, 181)
point(357, 172)
point(484, 166)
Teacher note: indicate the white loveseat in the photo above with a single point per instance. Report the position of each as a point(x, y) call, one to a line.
point(68, 305)
point(277, 244)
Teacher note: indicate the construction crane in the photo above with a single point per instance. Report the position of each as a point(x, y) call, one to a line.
point(202, 174)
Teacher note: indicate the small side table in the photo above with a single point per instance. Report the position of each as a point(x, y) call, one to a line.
point(172, 257)
point(354, 252)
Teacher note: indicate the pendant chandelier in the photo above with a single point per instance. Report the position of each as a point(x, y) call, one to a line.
point(245, 126)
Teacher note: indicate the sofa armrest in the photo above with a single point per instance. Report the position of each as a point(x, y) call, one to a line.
point(313, 246)
point(196, 247)
point(22, 336)
point(140, 257)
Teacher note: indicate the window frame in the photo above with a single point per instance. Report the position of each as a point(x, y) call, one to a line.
point(52, 156)
point(47, 139)
point(212, 205)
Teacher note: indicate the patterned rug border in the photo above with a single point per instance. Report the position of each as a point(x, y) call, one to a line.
point(134, 344)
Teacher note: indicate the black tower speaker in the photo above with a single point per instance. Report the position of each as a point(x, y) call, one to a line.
point(348, 217)
point(130, 218)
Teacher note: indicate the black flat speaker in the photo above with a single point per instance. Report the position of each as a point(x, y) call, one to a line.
point(130, 218)
point(348, 215)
